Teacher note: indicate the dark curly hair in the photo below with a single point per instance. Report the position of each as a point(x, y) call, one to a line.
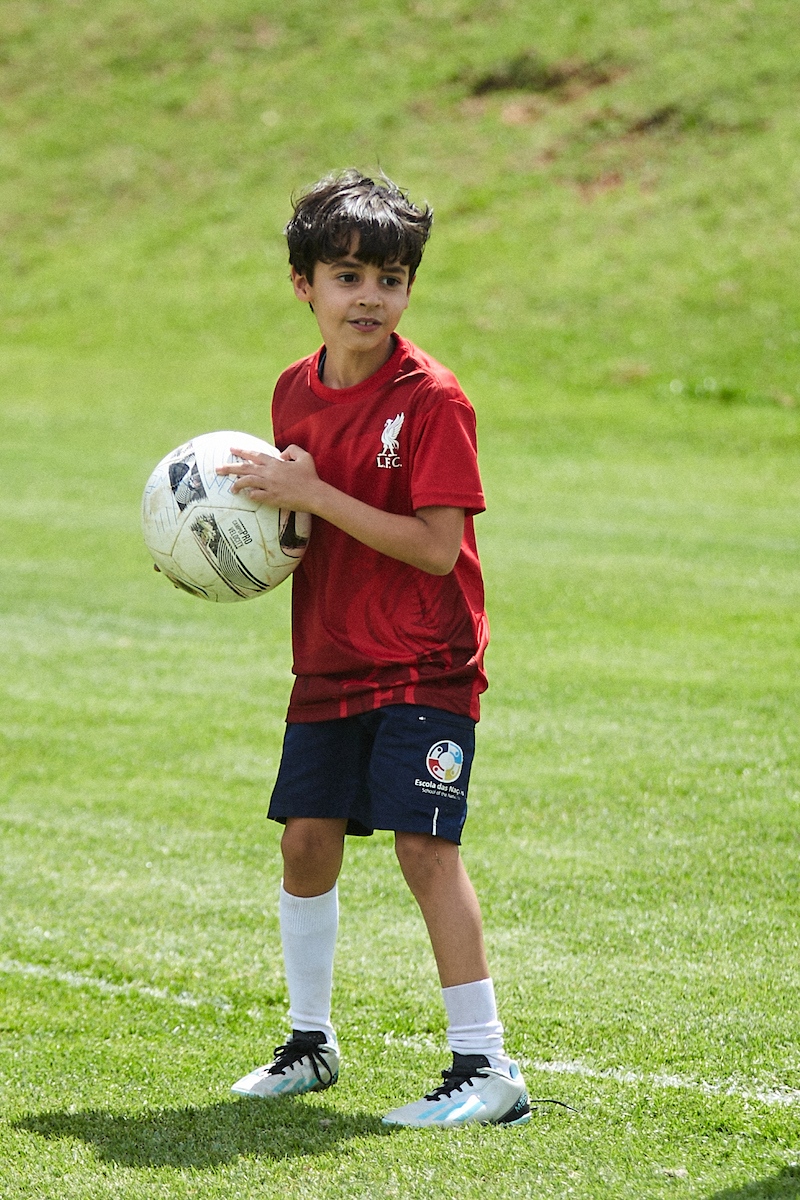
point(348, 205)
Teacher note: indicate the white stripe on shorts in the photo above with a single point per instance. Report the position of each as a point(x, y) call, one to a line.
point(435, 819)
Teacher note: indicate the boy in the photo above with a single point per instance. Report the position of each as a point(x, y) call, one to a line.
point(388, 632)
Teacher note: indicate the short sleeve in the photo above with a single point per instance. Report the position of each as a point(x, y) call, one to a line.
point(445, 462)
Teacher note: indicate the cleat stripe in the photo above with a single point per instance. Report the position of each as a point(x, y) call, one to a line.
point(454, 1112)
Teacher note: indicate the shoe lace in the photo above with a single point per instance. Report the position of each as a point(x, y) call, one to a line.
point(454, 1079)
point(296, 1049)
point(465, 1070)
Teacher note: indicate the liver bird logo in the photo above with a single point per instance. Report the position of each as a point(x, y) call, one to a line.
point(391, 433)
point(389, 456)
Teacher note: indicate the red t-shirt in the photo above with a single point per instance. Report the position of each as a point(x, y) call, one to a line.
point(368, 630)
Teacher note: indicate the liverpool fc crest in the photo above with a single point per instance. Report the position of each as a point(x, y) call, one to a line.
point(390, 437)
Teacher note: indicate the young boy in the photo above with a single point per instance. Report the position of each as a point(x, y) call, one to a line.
point(388, 631)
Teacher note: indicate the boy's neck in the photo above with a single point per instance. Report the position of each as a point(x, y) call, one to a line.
point(344, 369)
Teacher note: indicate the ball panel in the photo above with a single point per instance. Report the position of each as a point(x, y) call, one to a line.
point(160, 511)
point(223, 538)
point(211, 541)
point(161, 524)
point(185, 586)
point(213, 450)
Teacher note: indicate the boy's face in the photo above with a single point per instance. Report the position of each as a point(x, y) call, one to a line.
point(357, 305)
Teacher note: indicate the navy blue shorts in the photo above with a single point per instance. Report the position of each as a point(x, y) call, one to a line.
point(404, 767)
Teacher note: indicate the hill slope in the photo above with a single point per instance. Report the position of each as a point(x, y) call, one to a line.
point(615, 187)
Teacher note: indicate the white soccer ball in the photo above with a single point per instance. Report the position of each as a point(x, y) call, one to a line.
point(211, 541)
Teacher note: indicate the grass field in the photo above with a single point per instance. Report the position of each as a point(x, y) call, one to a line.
point(613, 277)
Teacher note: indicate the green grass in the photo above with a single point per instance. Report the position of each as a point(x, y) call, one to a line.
point(613, 277)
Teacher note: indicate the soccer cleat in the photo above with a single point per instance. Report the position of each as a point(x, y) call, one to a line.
point(473, 1093)
point(306, 1063)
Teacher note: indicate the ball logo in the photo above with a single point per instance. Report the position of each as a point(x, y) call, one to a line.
point(445, 760)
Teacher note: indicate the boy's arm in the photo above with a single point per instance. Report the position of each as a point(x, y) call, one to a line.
point(429, 540)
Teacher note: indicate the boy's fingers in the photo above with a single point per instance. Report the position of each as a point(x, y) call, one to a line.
point(247, 481)
point(235, 468)
point(250, 461)
point(251, 456)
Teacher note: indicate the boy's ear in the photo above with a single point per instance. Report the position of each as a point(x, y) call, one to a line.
point(303, 290)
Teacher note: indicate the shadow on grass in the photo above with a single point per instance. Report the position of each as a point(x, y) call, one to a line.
point(206, 1137)
point(783, 1186)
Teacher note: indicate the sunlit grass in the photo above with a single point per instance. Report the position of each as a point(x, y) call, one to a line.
point(618, 295)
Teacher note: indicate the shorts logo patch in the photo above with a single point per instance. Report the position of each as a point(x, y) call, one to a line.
point(444, 761)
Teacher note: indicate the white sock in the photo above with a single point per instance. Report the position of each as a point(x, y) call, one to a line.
point(474, 1027)
point(309, 925)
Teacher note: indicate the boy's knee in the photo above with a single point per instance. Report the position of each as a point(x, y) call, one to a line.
point(311, 848)
point(423, 857)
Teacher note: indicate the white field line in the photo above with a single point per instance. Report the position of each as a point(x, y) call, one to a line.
point(766, 1095)
point(9, 966)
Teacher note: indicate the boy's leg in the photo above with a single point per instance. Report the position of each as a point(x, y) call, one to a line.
point(312, 850)
point(436, 874)
point(437, 877)
point(484, 1085)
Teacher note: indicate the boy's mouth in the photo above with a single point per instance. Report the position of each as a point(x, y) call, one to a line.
point(365, 323)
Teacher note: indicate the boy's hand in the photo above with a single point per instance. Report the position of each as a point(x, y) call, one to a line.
point(285, 482)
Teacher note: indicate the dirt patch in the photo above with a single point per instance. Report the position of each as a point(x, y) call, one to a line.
point(668, 114)
point(680, 118)
point(608, 145)
point(609, 181)
point(530, 72)
point(523, 112)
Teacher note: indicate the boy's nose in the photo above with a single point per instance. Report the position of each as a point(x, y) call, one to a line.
point(369, 296)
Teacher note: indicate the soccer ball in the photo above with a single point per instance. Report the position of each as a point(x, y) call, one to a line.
point(213, 542)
